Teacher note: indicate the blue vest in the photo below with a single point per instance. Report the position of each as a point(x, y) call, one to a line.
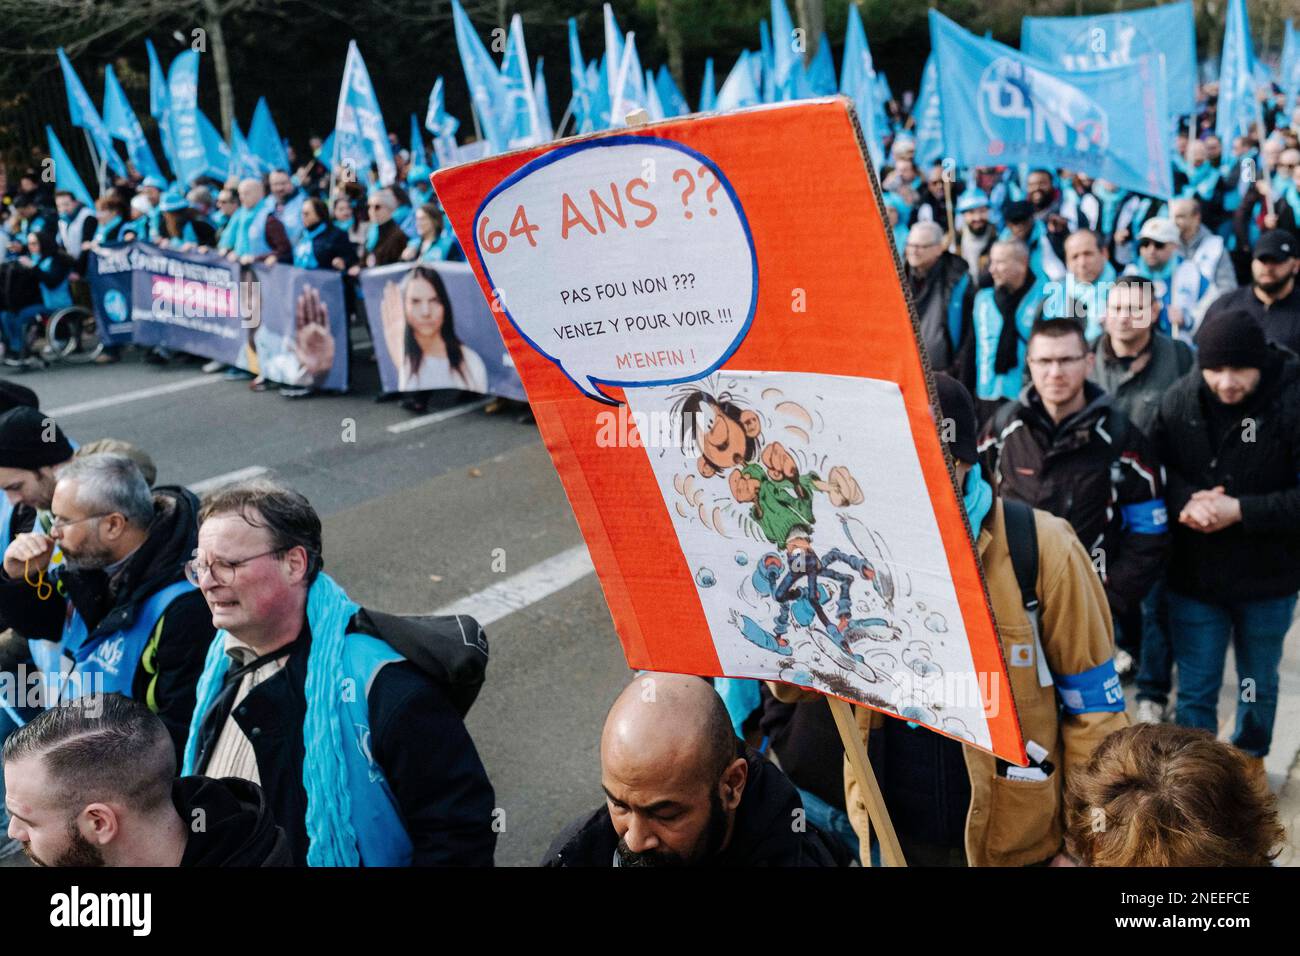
point(111, 657)
point(381, 835)
point(988, 328)
point(57, 298)
point(291, 216)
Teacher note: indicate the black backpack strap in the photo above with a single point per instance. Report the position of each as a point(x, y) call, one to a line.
point(1022, 543)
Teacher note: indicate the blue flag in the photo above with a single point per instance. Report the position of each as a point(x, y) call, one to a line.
point(360, 137)
point(486, 90)
point(122, 124)
point(1291, 67)
point(65, 174)
point(738, 88)
point(243, 163)
point(543, 101)
point(520, 109)
point(216, 151)
point(1238, 108)
point(670, 97)
point(159, 102)
point(580, 101)
point(264, 139)
point(1002, 108)
point(785, 61)
point(418, 155)
point(858, 83)
point(708, 94)
point(85, 115)
point(443, 126)
point(929, 117)
point(1114, 39)
point(190, 158)
point(821, 72)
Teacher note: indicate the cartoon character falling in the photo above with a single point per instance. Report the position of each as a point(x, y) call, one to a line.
point(728, 438)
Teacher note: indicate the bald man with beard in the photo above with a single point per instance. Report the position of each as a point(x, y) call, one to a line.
point(681, 790)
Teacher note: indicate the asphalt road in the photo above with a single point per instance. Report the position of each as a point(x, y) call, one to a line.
point(415, 520)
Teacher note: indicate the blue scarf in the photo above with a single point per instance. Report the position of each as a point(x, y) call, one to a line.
point(101, 234)
point(978, 499)
point(372, 236)
point(332, 841)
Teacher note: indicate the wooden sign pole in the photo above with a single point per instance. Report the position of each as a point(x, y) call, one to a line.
point(890, 852)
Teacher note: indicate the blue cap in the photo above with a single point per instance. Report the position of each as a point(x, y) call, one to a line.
point(155, 182)
point(172, 201)
point(419, 173)
point(973, 199)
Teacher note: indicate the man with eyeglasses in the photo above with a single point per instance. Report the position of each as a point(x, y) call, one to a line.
point(350, 720)
point(1272, 297)
point(1066, 448)
point(943, 294)
point(385, 241)
point(116, 615)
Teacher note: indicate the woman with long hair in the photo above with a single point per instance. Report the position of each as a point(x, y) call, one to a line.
point(420, 332)
point(427, 245)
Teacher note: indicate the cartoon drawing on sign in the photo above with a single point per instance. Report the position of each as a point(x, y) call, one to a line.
point(779, 516)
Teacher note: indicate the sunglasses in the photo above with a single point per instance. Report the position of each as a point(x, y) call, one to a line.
point(1143, 243)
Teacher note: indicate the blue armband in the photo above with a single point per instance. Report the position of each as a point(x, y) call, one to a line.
point(1146, 517)
point(1093, 691)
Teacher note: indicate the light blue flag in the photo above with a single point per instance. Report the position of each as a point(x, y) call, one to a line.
point(122, 124)
point(929, 117)
point(1002, 108)
point(738, 89)
point(857, 82)
point(543, 100)
point(1114, 39)
point(190, 158)
point(520, 110)
point(243, 161)
point(264, 139)
point(66, 178)
point(599, 93)
point(84, 115)
point(580, 102)
point(487, 92)
point(670, 97)
point(216, 151)
point(708, 94)
point(785, 61)
point(1238, 108)
point(613, 52)
point(821, 72)
point(159, 102)
point(418, 155)
point(1290, 72)
point(360, 137)
point(629, 92)
point(326, 152)
point(443, 126)
point(766, 59)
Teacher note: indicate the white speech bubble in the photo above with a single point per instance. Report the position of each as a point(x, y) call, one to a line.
point(626, 261)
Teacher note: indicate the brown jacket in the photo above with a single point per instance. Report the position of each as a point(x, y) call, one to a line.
point(1013, 822)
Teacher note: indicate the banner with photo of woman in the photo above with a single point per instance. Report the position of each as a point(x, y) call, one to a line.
point(300, 326)
point(433, 329)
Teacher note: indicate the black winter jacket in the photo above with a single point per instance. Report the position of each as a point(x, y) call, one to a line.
point(1256, 460)
point(230, 824)
point(1095, 470)
point(187, 623)
point(762, 834)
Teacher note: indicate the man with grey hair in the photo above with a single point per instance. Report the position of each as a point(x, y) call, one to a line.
point(385, 240)
point(116, 613)
point(1001, 319)
point(1197, 244)
point(93, 783)
point(941, 290)
point(254, 232)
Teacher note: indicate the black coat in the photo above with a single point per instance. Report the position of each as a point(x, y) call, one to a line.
point(417, 737)
point(1256, 460)
point(187, 623)
point(230, 824)
point(1086, 470)
point(763, 834)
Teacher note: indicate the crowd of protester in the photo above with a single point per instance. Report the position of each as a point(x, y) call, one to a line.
point(1118, 378)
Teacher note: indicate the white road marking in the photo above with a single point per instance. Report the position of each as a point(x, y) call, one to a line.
point(109, 401)
point(527, 587)
point(412, 423)
point(243, 474)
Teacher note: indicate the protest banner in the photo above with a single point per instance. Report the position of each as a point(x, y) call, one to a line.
point(712, 329)
point(1116, 39)
point(417, 348)
point(192, 302)
point(1002, 108)
point(109, 276)
point(300, 326)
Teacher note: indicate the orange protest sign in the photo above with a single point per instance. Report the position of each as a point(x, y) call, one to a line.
point(709, 320)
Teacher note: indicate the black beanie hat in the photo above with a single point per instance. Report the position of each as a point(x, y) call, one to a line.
point(1231, 337)
point(22, 440)
point(957, 407)
point(13, 395)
